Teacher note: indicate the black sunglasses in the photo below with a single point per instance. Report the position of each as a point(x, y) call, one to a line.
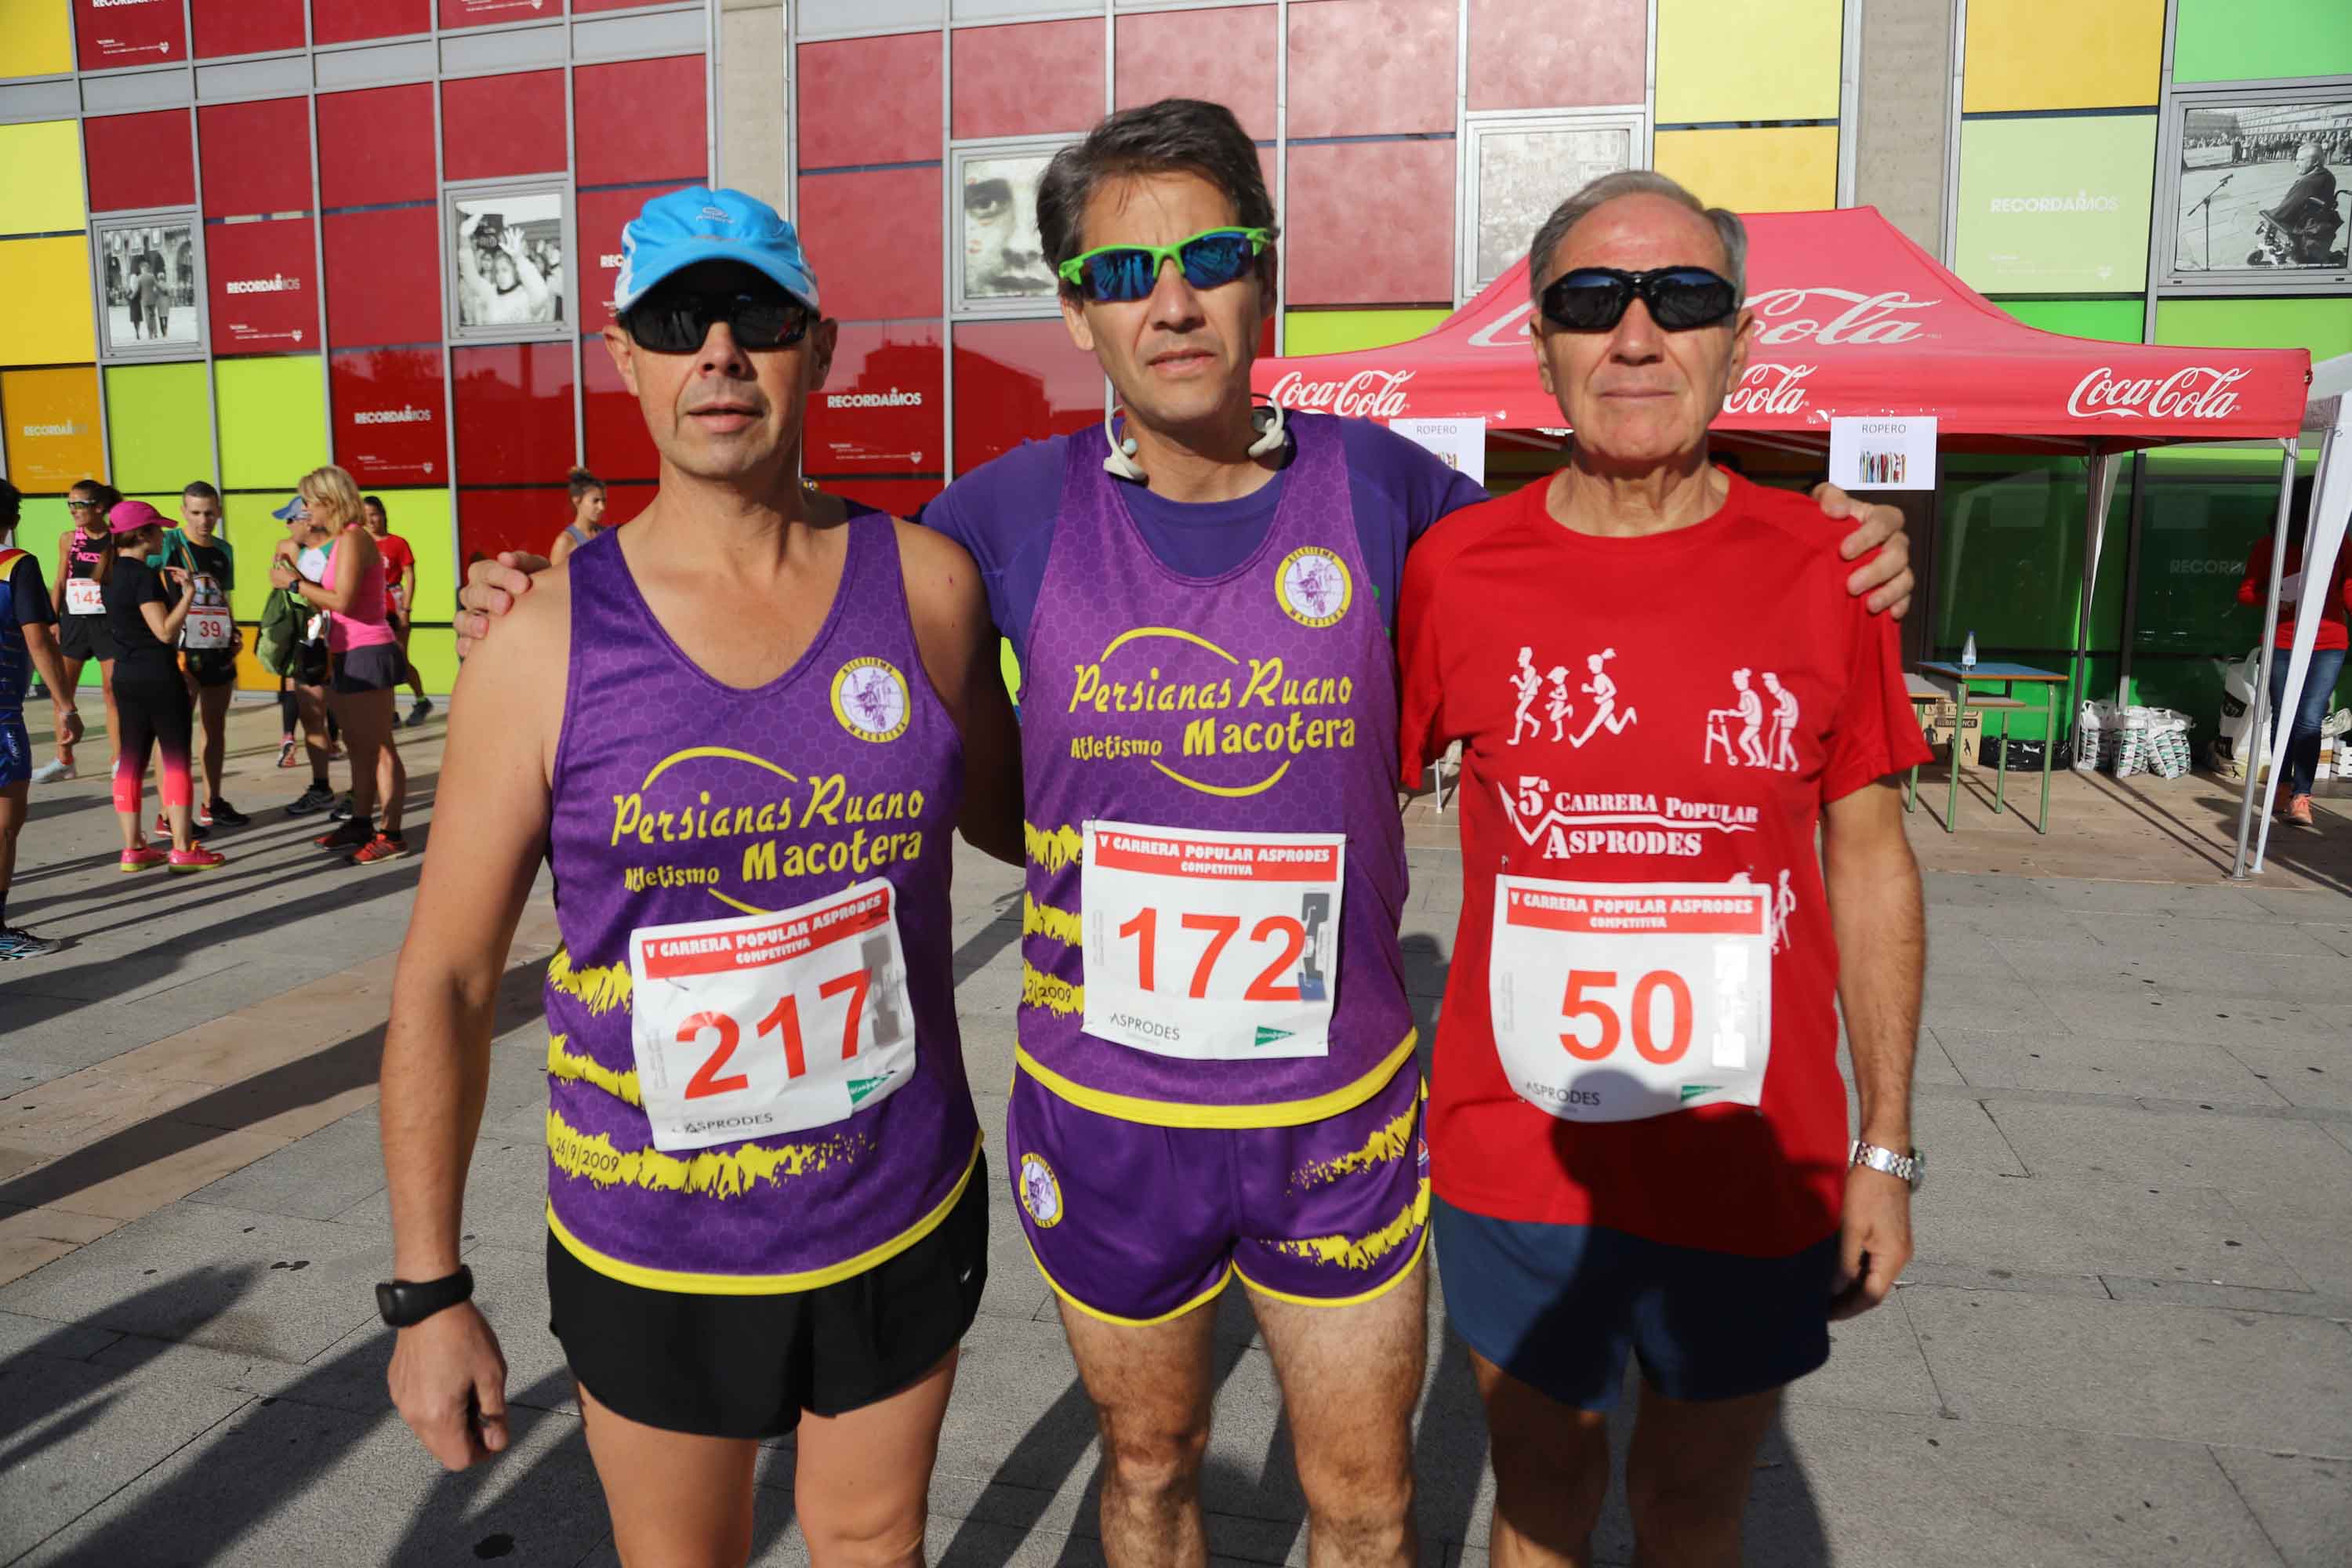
point(1595, 298)
point(676, 321)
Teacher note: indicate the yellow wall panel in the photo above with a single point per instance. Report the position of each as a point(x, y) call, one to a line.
point(1768, 170)
point(36, 37)
point(1749, 59)
point(45, 283)
point(2083, 53)
point(40, 177)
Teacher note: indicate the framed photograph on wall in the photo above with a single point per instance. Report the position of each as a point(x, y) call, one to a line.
point(1517, 166)
point(509, 257)
point(2254, 190)
point(1000, 266)
point(151, 286)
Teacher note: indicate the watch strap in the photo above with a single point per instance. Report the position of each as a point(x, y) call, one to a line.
point(405, 1302)
point(1905, 1168)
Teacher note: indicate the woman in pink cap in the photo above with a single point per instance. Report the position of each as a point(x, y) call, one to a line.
point(144, 608)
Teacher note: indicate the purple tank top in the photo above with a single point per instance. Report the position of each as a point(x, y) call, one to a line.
point(680, 799)
point(1177, 654)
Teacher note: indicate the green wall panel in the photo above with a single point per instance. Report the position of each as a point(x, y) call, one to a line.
point(2247, 40)
point(159, 418)
point(422, 517)
point(434, 651)
point(38, 523)
point(253, 535)
point(2115, 320)
point(2322, 325)
point(1337, 331)
point(2055, 205)
point(273, 419)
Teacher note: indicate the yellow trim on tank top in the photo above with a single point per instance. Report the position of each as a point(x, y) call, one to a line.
point(765, 1284)
point(1175, 1113)
point(1376, 1291)
point(1203, 1299)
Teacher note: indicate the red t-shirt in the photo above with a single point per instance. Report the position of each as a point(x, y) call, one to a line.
point(1521, 639)
point(2330, 597)
point(399, 560)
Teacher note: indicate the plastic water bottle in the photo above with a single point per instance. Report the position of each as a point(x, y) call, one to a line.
point(1969, 652)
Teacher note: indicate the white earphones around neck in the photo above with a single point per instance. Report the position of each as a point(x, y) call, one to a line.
point(1121, 463)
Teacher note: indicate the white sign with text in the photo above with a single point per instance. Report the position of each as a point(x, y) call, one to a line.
point(1462, 443)
point(1883, 454)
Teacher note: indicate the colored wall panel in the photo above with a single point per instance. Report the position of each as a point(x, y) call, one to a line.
point(1019, 381)
point(433, 651)
point(1224, 54)
point(881, 411)
point(619, 446)
point(40, 177)
point(2247, 40)
point(162, 419)
point(1337, 331)
point(1342, 196)
point(493, 125)
point(1035, 78)
point(600, 217)
point(640, 120)
point(1556, 54)
point(256, 156)
point(347, 21)
point(254, 534)
point(111, 33)
point(261, 277)
point(2055, 206)
point(376, 146)
point(2322, 325)
point(491, 521)
point(273, 420)
point(383, 277)
point(391, 419)
point(140, 159)
point(53, 434)
point(514, 414)
point(46, 285)
point(36, 37)
point(1737, 59)
point(246, 26)
point(1768, 170)
point(870, 101)
point(877, 242)
point(2112, 321)
point(1361, 67)
point(2084, 53)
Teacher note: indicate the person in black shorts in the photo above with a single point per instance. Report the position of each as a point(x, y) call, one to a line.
point(28, 642)
point(144, 611)
point(82, 633)
point(211, 671)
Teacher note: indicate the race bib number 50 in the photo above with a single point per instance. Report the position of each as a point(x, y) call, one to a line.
point(1614, 1001)
point(1212, 946)
point(771, 1023)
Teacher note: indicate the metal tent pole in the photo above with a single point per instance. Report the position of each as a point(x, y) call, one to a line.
point(2258, 732)
point(2102, 488)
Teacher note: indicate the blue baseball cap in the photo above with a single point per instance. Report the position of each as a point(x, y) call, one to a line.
point(293, 508)
point(679, 228)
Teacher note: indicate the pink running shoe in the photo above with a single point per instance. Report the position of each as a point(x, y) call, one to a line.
point(197, 859)
point(143, 859)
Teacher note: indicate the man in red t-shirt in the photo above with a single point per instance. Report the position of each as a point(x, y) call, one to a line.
point(400, 597)
point(1637, 1128)
point(2327, 593)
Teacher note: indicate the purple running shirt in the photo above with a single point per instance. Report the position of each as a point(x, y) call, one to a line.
point(678, 799)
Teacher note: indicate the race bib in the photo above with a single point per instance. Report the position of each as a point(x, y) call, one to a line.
point(1617, 1001)
point(84, 597)
point(771, 1023)
point(209, 623)
point(1212, 946)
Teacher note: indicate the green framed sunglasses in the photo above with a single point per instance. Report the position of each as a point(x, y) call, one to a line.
point(1115, 274)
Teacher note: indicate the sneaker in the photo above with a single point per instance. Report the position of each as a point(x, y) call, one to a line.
point(196, 829)
point(341, 810)
point(2298, 810)
point(204, 815)
point(420, 712)
point(334, 750)
point(17, 943)
point(318, 797)
point(286, 750)
point(382, 846)
point(143, 859)
point(225, 815)
point(350, 835)
point(52, 771)
point(196, 859)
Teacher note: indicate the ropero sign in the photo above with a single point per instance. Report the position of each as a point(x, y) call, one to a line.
point(1367, 395)
point(2192, 392)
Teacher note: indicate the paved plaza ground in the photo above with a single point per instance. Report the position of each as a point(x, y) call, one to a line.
point(2127, 1338)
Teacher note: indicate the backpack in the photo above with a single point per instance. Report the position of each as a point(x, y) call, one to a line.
point(277, 641)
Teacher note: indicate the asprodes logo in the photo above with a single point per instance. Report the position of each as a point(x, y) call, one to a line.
point(1769, 389)
point(894, 398)
point(402, 416)
point(1866, 319)
point(1367, 395)
point(278, 283)
point(2192, 392)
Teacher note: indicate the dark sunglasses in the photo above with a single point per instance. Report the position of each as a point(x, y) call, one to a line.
point(676, 321)
point(1119, 274)
point(1595, 298)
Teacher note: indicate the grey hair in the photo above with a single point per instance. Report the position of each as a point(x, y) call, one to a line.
point(1728, 229)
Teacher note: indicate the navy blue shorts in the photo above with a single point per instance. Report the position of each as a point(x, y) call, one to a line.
point(1559, 1306)
point(15, 750)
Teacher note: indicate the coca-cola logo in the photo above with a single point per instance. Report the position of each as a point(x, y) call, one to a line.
point(1367, 395)
point(2192, 392)
point(1866, 318)
point(1769, 389)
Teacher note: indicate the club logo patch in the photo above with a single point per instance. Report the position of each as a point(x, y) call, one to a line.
point(1041, 1195)
point(1314, 586)
point(870, 699)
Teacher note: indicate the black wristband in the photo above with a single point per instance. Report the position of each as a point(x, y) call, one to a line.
point(406, 1303)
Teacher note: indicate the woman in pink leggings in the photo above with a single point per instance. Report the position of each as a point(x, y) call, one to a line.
point(143, 611)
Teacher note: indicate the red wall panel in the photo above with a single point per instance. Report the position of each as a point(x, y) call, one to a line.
point(256, 157)
point(347, 21)
point(624, 500)
point(870, 101)
point(1556, 54)
point(383, 277)
point(489, 521)
point(1362, 67)
point(601, 216)
point(376, 146)
point(618, 445)
point(874, 242)
point(128, 33)
point(264, 296)
point(514, 414)
point(640, 120)
point(900, 498)
point(391, 422)
point(246, 27)
point(1017, 381)
point(1226, 55)
point(493, 125)
point(1371, 224)
point(882, 409)
point(139, 159)
point(1021, 80)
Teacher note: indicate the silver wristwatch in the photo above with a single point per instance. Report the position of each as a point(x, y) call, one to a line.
point(1909, 1169)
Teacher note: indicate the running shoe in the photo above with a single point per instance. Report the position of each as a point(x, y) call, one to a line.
point(143, 859)
point(52, 771)
point(382, 846)
point(225, 815)
point(420, 712)
point(196, 859)
point(2298, 810)
point(318, 797)
point(196, 829)
point(350, 835)
point(341, 810)
point(16, 941)
point(286, 752)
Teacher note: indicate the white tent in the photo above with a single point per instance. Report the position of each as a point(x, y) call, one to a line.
point(2327, 416)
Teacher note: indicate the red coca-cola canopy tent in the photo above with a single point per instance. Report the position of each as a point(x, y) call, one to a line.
point(1852, 319)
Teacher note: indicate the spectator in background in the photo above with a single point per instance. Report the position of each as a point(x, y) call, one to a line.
point(587, 516)
point(2327, 590)
point(27, 642)
point(400, 598)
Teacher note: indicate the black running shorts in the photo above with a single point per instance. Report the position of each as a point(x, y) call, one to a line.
point(85, 637)
point(375, 668)
point(746, 1366)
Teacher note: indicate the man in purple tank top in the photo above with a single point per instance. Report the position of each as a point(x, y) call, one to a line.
point(738, 733)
